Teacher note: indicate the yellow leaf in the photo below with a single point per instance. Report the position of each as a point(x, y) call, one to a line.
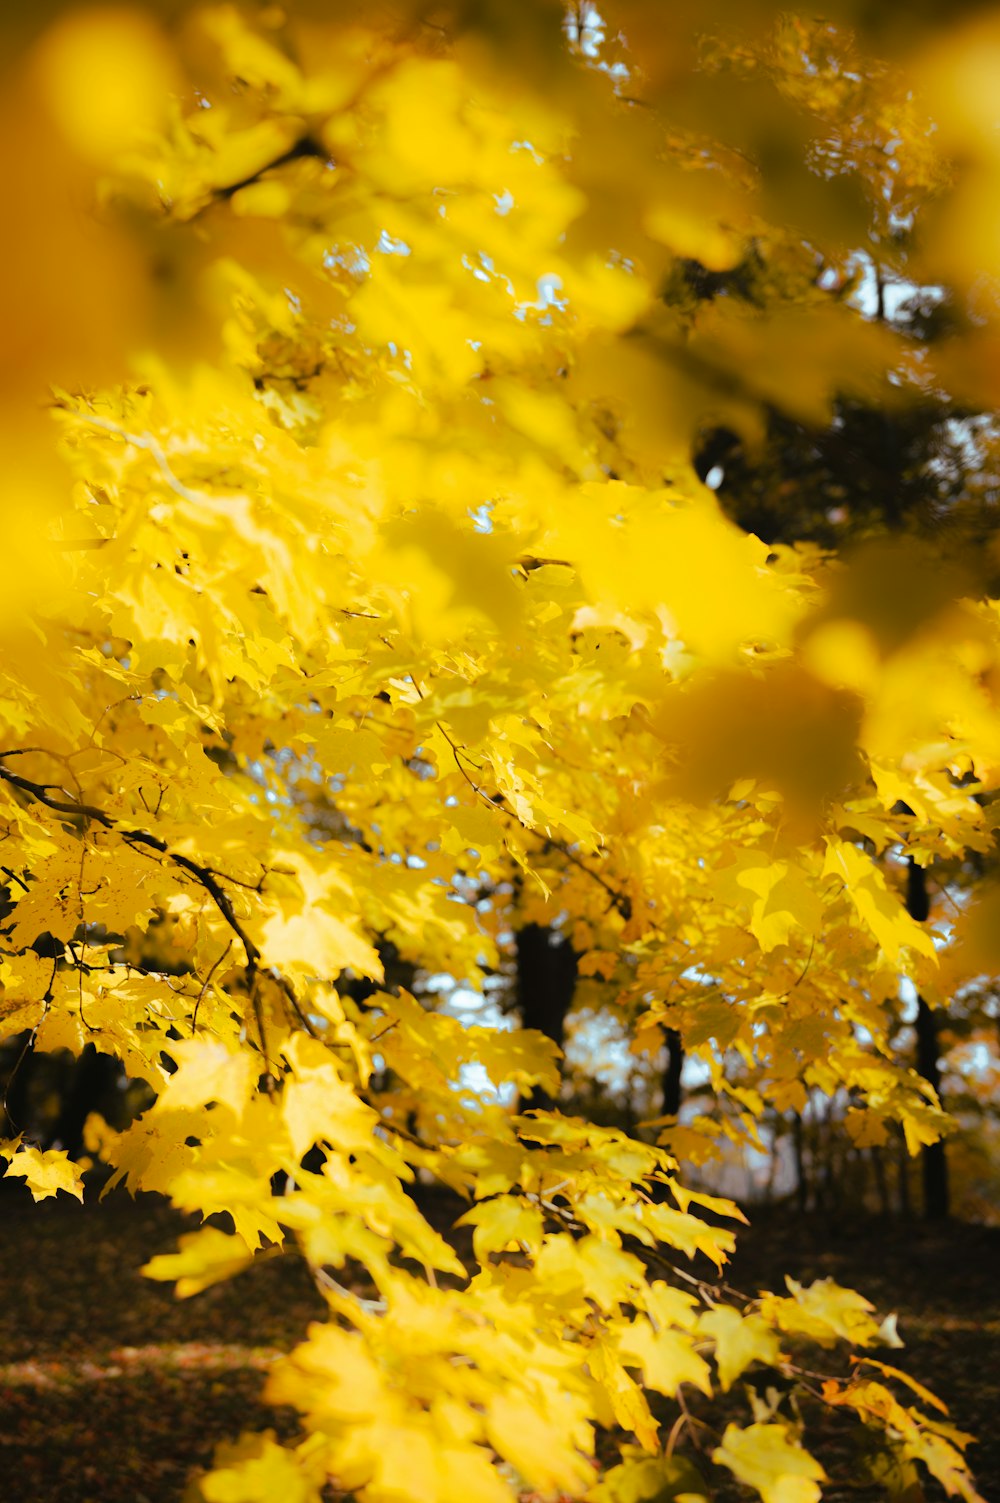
point(650, 1479)
point(667, 1358)
point(689, 1233)
point(107, 75)
point(257, 1470)
point(777, 724)
point(824, 1311)
point(501, 1223)
point(318, 1105)
point(426, 128)
point(589, 1268)
point(878, 908)
point(522, 1435)
point(777, 893)
point(447, 575)
point(45, 1174)
point(637, 550)
point(315, 943)
point(764, 1457)
point(524, 1057)
point(627, 1400)
point(901, 1377)
point(207, 1070)
point(739, 1340)
point(205, 1257)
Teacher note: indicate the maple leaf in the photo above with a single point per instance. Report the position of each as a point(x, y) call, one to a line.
point(884, 914)
point(739, 1340)
point(256, 1469)
point(649, 1479)
point(207, 1071)
point(45, 1174)
point(317, 1103)
point(767, 1458)
point(519, 1432)
point(204, 1258)
point(825, 1311)
point(666, 1358)
point(502, 1222)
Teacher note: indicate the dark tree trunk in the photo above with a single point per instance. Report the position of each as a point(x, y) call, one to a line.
point(934, 1155)
point(546, 981)
point(903, 1177)
point(672, 1073)
point(94, 1076)
point(935, 1159)
point(878, 1170)
point(801, 1177)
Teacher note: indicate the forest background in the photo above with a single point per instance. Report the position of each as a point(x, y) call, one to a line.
point(500, 704)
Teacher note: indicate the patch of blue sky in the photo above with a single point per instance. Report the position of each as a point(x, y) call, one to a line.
point(895, 293)
point(482, 516)
point(389, 245)
point(585, 27)
point(908, 997)
point(473, 1079)
point(350, 258)
point(979, 1059)
point(548, 287)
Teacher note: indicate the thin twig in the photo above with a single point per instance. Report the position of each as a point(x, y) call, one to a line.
point(288, 991)
point(619, 900)
point(802, 975)
point(205, 985)
point(204, 875)
point(146, 441)
point(28, 1046)
point(326, 1281)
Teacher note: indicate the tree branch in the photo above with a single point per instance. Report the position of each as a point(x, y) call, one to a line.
point(202, 874)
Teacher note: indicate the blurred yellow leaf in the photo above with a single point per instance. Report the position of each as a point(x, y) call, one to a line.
point(765, 1457)
point(205, 1257)
point(739, 1340)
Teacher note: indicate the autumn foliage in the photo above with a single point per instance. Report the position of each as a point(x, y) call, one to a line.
point(361, 604)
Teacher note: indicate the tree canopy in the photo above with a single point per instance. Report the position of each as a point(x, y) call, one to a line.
point(363, 599)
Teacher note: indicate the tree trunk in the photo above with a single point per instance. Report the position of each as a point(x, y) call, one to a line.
point(903, 1176)
point(878, 1170)
point(672, 1073)
point(935, 1159)
point(93, 1077)
point(934, 1155)
point(801, 1178)
point(546, 981)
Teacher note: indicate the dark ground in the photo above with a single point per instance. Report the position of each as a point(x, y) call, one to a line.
point(111, 1390)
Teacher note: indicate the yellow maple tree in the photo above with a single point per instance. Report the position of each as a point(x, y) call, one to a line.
point(351, 425)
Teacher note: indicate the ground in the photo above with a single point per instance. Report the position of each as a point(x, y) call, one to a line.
point(111, 1391)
